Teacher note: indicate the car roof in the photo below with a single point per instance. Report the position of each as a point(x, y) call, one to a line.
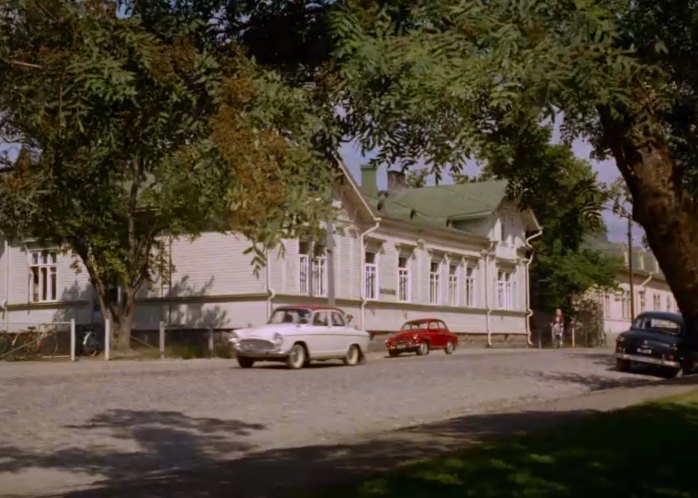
point(423, 320)
point(664, 315)
point(309, 307)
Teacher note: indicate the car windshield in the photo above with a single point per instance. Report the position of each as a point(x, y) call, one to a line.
point(414, 326)
point(290, 316)
point(655, 324)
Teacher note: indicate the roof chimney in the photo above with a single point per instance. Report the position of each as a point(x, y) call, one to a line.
point(369, 181)
point(396, 181)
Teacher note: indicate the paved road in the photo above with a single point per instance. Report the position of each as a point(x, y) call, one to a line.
point(66, 426)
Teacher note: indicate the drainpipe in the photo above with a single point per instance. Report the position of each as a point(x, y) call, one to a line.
point(529, 311)
point(488, 306)
point(362, 287)
point(7, 286)
point(270, 289)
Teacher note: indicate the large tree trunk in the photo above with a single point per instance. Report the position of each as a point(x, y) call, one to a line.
point(667, 212)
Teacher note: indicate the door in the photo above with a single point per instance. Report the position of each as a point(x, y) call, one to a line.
point(319, 337)
point(436, 338)
point(341, 337)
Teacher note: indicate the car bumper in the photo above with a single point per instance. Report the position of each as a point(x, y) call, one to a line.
point(259, 354)
point(648, 360)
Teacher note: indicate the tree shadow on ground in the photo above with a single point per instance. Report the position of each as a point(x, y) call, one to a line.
point(596, 457)
point(152, 441)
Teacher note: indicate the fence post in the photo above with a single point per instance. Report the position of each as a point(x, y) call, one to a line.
point(211, 349)
point(574, 328)
point(72, 339)
point(162, 340)
point(107, 339)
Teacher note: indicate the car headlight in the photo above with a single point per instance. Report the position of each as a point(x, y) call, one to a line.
point(234, 338)
point(278, 339)
point(415, 337)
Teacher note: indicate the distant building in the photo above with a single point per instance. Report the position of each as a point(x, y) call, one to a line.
point(652, 293)
point(458, 252)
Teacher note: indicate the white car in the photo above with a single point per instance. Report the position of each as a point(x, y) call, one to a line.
point(297, 335)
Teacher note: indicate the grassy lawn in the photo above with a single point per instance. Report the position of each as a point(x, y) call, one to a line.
point(648, 450)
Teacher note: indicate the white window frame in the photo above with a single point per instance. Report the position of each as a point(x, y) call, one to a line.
point(505, 298)
point(43, 271)
point(435, 282)
point(642, 300)
point(404, 282)
point(312, 273)
point(607, 305)
point(626, 304)
point(469, 285)
point(668, 303)
point(656, 302)
point(453, 284)
point(318, 275)
point(371, 276)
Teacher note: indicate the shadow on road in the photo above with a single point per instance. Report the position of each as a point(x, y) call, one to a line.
point(219, 463)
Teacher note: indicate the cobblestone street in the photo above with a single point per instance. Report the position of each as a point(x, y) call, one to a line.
point(67, 426)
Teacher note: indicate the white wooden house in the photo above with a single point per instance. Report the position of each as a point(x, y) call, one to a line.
point(458, 252)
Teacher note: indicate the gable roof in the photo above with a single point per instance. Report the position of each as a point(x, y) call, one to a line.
point(644, 261)
point(440, 206)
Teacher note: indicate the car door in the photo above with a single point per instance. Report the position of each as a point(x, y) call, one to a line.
point(445, 333)
point(341, 337)
point(319, 338)
point(436, 339)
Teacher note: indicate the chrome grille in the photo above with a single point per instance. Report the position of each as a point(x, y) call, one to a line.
point(258, 345)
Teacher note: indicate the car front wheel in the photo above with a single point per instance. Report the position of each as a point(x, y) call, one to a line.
point(245, 362)
point(297, 358)
point(423, 349)
point(450, 348)
point(353, 356)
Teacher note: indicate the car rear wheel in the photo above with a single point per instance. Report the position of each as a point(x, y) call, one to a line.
point(245, 362)
point(622, 365)
point(353, 356)
point(450, 348)
point(393, 353)
point(423, 349)
point(297, 358)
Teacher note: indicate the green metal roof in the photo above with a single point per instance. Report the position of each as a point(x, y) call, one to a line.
point(439, 206)
point(644, 261)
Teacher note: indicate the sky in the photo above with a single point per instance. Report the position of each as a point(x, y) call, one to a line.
point(606, 171)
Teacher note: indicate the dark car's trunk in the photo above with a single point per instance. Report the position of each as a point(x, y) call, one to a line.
point(648, 342)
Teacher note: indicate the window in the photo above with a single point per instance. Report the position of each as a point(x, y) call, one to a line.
point(469, 297)
point(371, 275)
point(453, 285)
point(403, 279)
point(337, 319)
point(314, 283)
point(657, 302)
point(303, 265)
point(434, 282)
point(502, 230)
point(434, 326)
point(505, 297)
point(320, 319)
point(42, 276)
point(606, 305)
point(643, 302)
point(626, 304)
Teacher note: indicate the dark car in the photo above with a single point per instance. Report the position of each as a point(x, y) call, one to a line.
point(659, 339)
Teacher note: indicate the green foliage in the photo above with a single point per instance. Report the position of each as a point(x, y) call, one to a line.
point(564, 194)
point(138, 126)
point(608, 454)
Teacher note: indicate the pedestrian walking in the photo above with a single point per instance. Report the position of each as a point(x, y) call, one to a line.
point(558, 328)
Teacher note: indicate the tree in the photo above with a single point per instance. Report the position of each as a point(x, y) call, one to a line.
point(132, 130)
point(449, 79)
point(568, 201)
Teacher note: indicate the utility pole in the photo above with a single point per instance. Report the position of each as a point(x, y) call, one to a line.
point(630, 268)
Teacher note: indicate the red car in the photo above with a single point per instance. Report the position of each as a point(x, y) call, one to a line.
point(421, 336)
